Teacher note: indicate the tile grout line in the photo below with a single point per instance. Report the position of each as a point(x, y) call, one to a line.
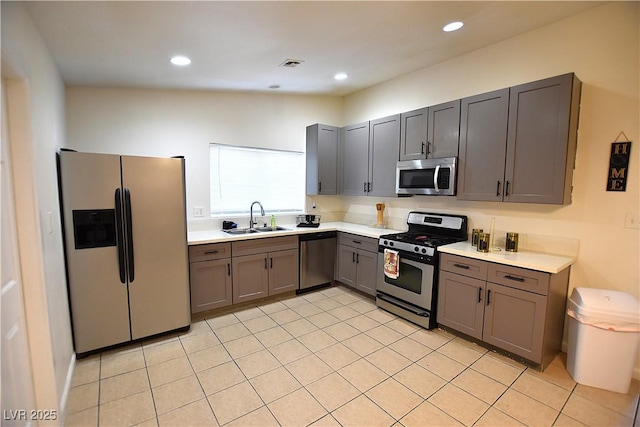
point(153, 399)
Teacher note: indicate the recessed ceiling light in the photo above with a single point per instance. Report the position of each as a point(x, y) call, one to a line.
point(274, 87)
point(453, 26)
point(180, 60)
point(341, 76)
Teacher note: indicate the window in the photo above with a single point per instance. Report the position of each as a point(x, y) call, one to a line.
point(241, 175)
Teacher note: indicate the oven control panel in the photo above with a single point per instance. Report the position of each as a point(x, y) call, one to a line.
point(408, 247)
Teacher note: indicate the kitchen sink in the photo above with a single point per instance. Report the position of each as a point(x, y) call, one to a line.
point(253, 230)
point(267, 229)
point(240, 230)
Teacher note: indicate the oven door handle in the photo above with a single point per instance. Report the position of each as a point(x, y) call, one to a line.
point(435, 179)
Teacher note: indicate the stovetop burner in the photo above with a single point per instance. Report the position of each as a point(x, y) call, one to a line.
point(426, 232)
point(431, 240)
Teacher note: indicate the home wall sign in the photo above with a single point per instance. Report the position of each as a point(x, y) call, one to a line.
point(619, 164)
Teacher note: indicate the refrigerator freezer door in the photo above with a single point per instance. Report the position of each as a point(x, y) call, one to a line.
point(159, 292)
point(99, 302)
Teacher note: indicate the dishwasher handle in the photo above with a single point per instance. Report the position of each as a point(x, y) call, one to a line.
point(305, 237)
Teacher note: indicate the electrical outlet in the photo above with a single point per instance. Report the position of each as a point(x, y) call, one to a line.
point(198, 211)
point(632, 220)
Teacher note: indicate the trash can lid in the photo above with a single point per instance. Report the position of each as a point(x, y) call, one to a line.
point(606, 309)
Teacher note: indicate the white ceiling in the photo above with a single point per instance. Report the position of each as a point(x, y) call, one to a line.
point(239, 45)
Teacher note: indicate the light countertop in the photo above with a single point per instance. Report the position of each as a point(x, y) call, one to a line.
point(539, 261)
point(219, 236)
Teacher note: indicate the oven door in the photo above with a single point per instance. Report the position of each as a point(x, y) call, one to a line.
point(413, 285)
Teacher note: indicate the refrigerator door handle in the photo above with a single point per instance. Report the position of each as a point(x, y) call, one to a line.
point(127, 212)
point(120, 237)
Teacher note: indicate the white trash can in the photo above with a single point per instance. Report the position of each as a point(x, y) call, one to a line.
point(604, 333)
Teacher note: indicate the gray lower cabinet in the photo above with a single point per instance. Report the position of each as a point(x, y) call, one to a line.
point(514, 309)
point(264, 267)
point(370, 153)
point(210, 276)
point(322, 159)
point(357, 262)
point(518, 144)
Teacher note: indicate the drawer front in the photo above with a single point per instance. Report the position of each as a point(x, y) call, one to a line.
point(465, 266)
point(259, 246)
point(519, 278)
point(209, 251)
point(355, 241)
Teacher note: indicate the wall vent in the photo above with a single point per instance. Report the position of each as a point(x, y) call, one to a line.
point(291, 63)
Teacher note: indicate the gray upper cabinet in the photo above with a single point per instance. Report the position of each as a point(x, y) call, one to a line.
point(519, 144)
point(483, 136)
point(370, 153)
point(384, 146)
point(413, 134)
point(541, 140)
point(431, 132)
point(355, 160)
point(322, 159)
point(444, 130)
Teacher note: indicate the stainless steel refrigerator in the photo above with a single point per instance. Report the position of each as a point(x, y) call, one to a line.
point(125, 238)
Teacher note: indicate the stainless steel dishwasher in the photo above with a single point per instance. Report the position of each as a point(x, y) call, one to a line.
point(317, 259)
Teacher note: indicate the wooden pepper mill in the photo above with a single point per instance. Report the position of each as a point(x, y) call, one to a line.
point(380, 209)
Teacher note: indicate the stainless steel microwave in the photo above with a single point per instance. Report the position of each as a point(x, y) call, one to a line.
point(428, 176)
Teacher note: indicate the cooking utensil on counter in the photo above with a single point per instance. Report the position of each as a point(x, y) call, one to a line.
point(308, 220)
point(380, 208)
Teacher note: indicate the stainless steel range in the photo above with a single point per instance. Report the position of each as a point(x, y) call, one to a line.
point(408, 263)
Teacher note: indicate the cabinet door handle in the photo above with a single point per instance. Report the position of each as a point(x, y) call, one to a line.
point(357, 258)
point(368, 187)
point(357, 242)
point(506, 189)
point(489, 297)
point(517, 279)
point(210, 252)
point(271, 261)
point(422, 149)
point(479, 294)
point(428, 148)
point(319, 187)
point(353, 257)
point(466, 267)
point(365, 187)
point(498, 189)
point(229, 269)
point(265, 264)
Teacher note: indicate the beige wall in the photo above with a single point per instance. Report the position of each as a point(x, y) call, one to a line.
point(601, 47)
point(178, 122)
point(24, 51)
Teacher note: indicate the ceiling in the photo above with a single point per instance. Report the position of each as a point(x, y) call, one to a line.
point(239, 45)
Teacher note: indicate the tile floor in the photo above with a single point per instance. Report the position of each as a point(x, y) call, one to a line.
point(327, 358)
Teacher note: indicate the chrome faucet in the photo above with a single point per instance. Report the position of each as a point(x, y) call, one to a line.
point(251, 222)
